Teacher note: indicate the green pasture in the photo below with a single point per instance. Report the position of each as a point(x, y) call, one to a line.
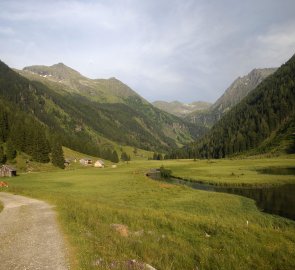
point(237, 172)
point(169, 227)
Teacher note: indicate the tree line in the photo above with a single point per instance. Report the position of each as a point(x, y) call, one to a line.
point(257, 118)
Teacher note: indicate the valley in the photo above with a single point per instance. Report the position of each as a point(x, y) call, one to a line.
point(147, 135)
point(166, 226)
point(116, 217)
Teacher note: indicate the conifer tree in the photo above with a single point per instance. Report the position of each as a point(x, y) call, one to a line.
point(40, 147)
point(159, 156)
point(57, 155)
point(124, 156)
point(115, 157)
point(2, 155)
point(3, 126)
point(10, 150)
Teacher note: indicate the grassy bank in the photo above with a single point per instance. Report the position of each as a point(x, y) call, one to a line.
point(169, 227)
point(1, 206)
point(239, 172)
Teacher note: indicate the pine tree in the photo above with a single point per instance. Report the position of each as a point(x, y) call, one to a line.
point(3, 126)
point(115, 157)
point(40, 147)
point(57, 155)
point(124, 156)
point(10, 150)
point(2, 156)
point(159, 157)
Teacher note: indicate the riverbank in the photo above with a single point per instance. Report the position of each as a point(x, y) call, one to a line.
point(166, 226)
point(234, 173)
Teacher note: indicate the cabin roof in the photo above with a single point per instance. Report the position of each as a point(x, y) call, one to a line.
point(8, 167)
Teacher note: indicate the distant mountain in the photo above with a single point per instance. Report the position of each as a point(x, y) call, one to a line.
point(181, 109)
point(239, 89)
point(61, 76)
point(263, 122)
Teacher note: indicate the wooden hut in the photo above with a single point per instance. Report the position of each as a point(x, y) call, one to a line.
point(7, 170)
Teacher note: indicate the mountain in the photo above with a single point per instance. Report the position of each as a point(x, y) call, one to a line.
point(181, 109)
point(239, 89)
point(61, 76)
point(264, 121)
point(57, 98)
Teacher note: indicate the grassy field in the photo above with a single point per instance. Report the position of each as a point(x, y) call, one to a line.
point(169, 227)
point(238, 172)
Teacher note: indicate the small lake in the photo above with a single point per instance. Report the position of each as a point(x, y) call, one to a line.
point(274, 200)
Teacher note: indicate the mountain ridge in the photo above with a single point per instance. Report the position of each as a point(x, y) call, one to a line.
point(181, 109)
point(238, 90)
point(262, 122)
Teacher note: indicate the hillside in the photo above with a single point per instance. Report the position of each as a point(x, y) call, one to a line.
point(239, 89)
point(85, 124)
point(263, 122)
point(114, 94)
point(181, 109)
point(61, 76)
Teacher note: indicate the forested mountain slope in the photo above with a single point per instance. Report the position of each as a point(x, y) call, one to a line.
point(115, 95)
point(239, 89)
point(258, 119)
point(85, 124)
point(262, 122)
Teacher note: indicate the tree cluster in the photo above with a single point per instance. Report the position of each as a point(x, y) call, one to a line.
point(256, 118)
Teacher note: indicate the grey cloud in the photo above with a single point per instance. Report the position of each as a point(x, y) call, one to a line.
point(186, 50)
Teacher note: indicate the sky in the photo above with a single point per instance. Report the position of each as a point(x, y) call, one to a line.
point(186, 50)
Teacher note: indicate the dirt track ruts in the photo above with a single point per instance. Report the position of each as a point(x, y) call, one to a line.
point(30, 238)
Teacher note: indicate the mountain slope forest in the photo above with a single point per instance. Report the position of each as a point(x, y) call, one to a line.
point(112, 93)
point(79, 120)
point(239, 89)
point(261, 122)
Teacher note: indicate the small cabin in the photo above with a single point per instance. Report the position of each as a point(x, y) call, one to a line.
point(85, 161)
point(99, 164)
point(7, 171)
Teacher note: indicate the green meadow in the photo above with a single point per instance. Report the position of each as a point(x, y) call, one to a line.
point(166, 226)
point(237, 172)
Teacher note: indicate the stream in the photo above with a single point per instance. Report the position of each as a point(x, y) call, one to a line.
point(278, 200)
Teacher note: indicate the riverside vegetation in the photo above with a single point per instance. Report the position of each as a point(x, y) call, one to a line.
point(169, 227)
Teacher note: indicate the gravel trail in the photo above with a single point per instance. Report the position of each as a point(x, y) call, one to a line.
point(30, 238)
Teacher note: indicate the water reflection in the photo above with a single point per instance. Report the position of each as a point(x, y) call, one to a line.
point(274, 200)
point(278, 171)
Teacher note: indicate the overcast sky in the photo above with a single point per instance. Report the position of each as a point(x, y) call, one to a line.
point(169, 50)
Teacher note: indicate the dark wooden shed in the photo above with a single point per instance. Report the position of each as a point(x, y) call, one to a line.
point(7, 170)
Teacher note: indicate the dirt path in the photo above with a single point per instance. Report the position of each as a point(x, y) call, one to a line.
point(29, 235)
